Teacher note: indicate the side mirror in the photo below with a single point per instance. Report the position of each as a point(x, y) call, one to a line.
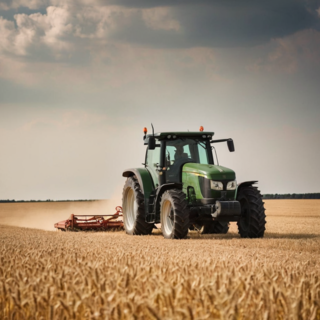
point(230, 145)
point(152, 143)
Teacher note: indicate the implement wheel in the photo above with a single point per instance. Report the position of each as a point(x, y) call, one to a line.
point(174, 214)
point(253, 219)
point(133, 209)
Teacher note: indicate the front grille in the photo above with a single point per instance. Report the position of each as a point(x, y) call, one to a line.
point(206, 188)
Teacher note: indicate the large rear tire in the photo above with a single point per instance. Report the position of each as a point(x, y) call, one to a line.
point(133, 209)
point(174, 214)
point(215, 227)
point(253, 219)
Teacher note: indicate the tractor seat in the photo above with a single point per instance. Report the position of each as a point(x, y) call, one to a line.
point(183, 156)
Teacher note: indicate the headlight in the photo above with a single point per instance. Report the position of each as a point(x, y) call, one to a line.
point(232, 185)
point(216, 185)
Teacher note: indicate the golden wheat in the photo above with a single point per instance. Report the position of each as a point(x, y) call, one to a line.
point(65, 275)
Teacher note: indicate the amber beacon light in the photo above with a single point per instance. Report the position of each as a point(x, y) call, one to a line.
point(145, 130)
point(201, 128)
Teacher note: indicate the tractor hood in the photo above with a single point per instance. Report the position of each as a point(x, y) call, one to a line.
point(209, 171)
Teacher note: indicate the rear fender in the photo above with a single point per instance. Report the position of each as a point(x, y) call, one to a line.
point(145, 181)
point(242, 185)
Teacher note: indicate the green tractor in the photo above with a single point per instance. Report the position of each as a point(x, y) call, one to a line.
point(182, 188)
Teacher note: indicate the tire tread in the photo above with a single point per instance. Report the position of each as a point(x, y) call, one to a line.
point(257, 224)
point(141, 227)
point(181, 213)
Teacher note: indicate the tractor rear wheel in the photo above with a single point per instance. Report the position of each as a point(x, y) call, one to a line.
point(174, 214)
point(253, 219)
point(215, 227)
point(133, 209)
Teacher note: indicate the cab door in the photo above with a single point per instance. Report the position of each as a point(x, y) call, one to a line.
point(153, 164)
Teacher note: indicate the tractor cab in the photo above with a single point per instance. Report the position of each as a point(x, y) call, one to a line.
point(168, 152)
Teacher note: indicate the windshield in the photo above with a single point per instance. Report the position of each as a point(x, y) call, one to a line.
point(189, 149)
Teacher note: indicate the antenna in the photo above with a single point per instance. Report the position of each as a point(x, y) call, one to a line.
point(152, 129)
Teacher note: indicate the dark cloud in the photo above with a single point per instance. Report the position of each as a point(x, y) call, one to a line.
point(224, 23)
point(10, 13)
point(223, 26)
point(154, 3)
point(201, 23)
point(229, 3)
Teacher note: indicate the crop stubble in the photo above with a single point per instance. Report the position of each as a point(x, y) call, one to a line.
point(57, 275)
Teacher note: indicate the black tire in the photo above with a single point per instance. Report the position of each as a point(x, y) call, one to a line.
point(174, 214)
point(133, 209)
point(215, 227)
point(253, 219)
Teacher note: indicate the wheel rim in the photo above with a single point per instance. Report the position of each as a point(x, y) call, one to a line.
point(130, 210)
point(167, 214)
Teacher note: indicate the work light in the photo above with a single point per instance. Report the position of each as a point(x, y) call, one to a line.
point(232, 185)
point(216, 185)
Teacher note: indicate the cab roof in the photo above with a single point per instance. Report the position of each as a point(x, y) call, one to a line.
point(179, 134)
point(183, 133)
point(195, 134)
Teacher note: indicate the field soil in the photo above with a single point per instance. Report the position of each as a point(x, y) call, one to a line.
point(110, 275)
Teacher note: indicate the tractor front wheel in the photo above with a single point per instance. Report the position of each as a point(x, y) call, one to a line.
point(174, 214)
point(133, 209)
point(253, 219)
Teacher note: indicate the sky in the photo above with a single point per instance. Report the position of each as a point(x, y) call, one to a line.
point(80, 79)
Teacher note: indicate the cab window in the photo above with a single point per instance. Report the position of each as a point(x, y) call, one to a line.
point(153, 157)
point(203, 155)
point(152, 162)
point(190, 149)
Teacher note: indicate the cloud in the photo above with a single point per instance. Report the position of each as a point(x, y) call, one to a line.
point(217, 23)
point(63, 33)
point(61, 30)
point(81, 47)
point(243, 25)
point(297, 53)
point(30, 4)
point(160, 18)
point(37, 32)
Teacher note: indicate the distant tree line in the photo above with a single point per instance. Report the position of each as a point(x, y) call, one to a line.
point(49, 200)
point(292, 196)
point(265, 196)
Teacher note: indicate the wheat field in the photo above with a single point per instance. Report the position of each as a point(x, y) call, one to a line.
point(109, 275)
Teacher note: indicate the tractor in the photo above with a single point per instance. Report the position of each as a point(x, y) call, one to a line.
point(183, 188)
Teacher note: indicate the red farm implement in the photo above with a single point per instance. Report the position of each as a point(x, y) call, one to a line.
point(92, 222)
